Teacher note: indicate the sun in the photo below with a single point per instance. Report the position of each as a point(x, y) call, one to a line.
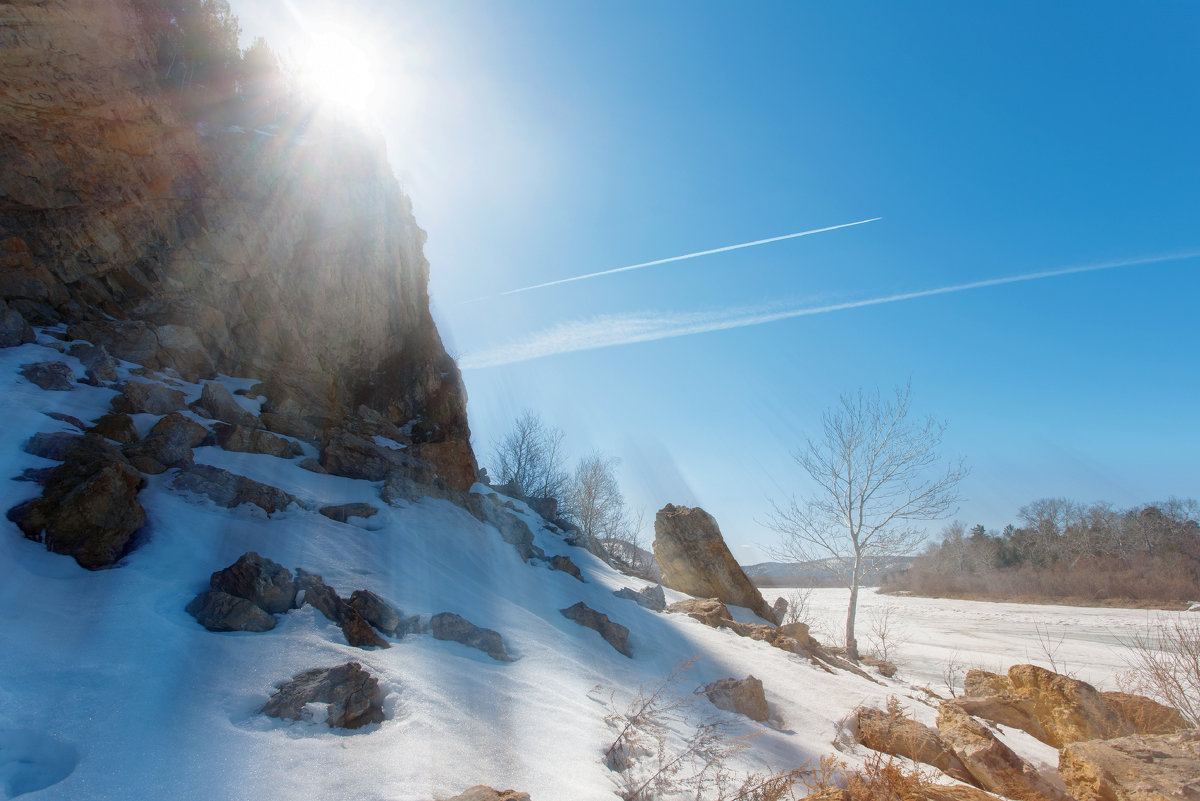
point(339, 72)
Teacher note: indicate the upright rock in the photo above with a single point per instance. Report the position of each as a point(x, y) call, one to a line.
point(693, 557)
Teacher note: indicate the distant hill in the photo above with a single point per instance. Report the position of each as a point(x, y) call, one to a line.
point(817, 573)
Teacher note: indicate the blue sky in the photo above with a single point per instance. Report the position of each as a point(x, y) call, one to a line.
point(544, 140)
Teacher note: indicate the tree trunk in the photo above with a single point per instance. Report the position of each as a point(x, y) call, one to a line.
point(851, 611)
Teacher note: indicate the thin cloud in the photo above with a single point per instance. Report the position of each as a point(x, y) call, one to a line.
point(725, 249)
point(626, 329)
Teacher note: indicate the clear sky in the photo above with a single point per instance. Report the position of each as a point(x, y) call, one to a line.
point(545, 140)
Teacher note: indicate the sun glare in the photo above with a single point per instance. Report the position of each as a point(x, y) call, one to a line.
point(340, 72)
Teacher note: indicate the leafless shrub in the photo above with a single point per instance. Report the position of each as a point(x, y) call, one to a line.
point(664, 748)
point(885, 634)
point(1050, 644)
point(1164, 662)
point(881, 778)
point(799, 608)
point(953, 673)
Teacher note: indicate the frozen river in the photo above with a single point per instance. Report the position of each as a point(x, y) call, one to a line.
point(931, 635)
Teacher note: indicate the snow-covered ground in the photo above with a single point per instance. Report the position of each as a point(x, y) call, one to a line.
point(931, 636)
point(110, 690)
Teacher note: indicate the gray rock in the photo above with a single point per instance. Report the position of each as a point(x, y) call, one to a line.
point(66, 418)
point(55, 376)
point(289, 426)
point(779, 609)
point(343, 512)
point(148, 397)
point(266, 584)
point(512, 529)
point(100, 366)
point(229, 489)
point(325, 600)
point(54, 446)
point(89, 507)
point(14, 330)
point(353, 696)
point(313, 466)
point(180, 348)
point(744, 696)
point(651, 596)
point(613, 633)
point(169, 444)
point(449, 626)
point(380, 614)
point(348, 454)
point(243, 439)
point(220, 611)
point(218, 401)
point(482, 792)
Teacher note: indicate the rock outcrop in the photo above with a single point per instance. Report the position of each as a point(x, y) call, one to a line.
point(352, 696)
point(229, 489)
point(1059, 710)
point(452, 627)
point(311, 589)
point(694, 559)
point(1137, 768)
point(651, 596)
point(481, 792)
point(158, 228)
point(612, 632)
point(54, 376)
point(892, 732)
point(993, 765)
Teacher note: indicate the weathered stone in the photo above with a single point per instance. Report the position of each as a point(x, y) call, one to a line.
point(1136, 768)
point(779, 609)
point(1007, 710)
point(343, 512)
point(14, 330)
point(894, 733)
point(323, 598)
point(180, 348)
point(613, 633)
point(379, 613)
point(67, 418)
point(565, 565)
point(693, 557)
point(229, 489)
point(1144, 715)
point(55, 376)
point(100, 367)
point(353, 696)
point(148, 397)
point(243, 439)
point(483, 793)
point(709, 611)
point(266, 584)
point(990, 762)
point(449, 626)
point(1069, 710)
point(220, 611)
point(54, 446)
point(979, 683)
point(169, 444)
point(313, 466)
point(348, 454)
point(116, 426)
point(743, 696)
point(512, 528)
point(220, 404)
point(289, 426)
point(131, 340)
point(89, 507)
point(651, 596)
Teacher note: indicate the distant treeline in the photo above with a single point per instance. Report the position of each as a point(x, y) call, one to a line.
point(1066, 551)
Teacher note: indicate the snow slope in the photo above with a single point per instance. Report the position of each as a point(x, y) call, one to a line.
point(110, 690)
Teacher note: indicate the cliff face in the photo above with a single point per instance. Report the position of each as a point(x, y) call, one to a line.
point(287, 253)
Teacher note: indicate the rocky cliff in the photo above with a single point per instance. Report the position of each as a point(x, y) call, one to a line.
point(178, 238)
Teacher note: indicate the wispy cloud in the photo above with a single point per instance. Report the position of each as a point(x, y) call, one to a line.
point(684, 256)
point(626, 329)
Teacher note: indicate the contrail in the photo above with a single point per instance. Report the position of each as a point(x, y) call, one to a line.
point(687, 256)
point(625, 329)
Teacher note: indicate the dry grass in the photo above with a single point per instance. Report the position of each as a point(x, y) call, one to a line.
point(1165, 664)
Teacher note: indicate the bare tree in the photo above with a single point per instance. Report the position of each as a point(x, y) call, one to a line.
point(530, 458)
point(594, 502)
point(875, 475)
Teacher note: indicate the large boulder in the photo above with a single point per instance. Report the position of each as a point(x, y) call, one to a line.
point(482, 792)
point(218, 402)
point(512, 528)
point(382, 615)
point(449, 626)
point(894, 733)
point(244, 439)
point(98, 365)
point(694, 559)
point(220, 611)
point(1069, 710)
point(117, 426)
point(993, 765)
point(613, 633)
point(267, 584)
point(743, 696)
point(564, 564)
point(1145, 715)
point(169, 444)
point(229, 489)
point(352, 696)
point(149, 397)
point(1136, 768)
point(14, 330)
point(346, 453)
point(88, 508)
